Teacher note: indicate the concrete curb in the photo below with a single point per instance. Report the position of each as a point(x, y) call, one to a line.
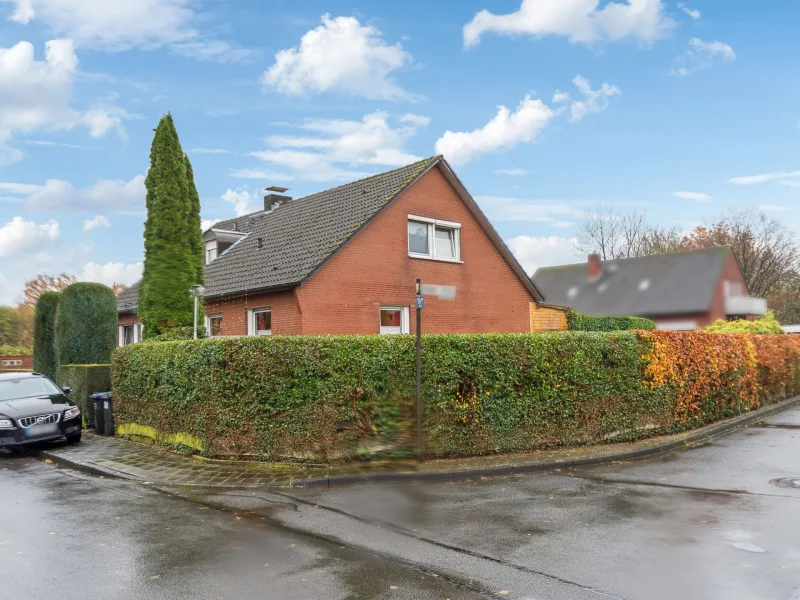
point(667, 445)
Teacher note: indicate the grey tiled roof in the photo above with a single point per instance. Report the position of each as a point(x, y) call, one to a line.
point(128, 299)
point(665, 284)
point(299, 236)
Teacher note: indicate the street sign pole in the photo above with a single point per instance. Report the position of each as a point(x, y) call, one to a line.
point(195, 317)
point(420, 304)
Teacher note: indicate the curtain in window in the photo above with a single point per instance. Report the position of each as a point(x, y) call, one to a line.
point(445, 243)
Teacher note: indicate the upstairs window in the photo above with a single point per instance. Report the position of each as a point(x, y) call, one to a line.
point(211, 254)
point(434, 239)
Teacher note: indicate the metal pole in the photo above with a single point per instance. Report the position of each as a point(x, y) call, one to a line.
point(419, 375)
point(195, 316)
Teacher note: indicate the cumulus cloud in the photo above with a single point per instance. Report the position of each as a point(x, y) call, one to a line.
point(701, 55)
point(19, 236)
point(124, 24)
point(207, 224)
point(502, 208)
point(112, 195)
point(694, 13)
point(581, 21)
point(533, 252)
point(34, 95)
point(507, 128)
point(696, 196)
point(784, 177)
point(99, 222)
point(112, 272)
point(243, 201)
point(334, 149)
point(340, 55)
point(514, 172)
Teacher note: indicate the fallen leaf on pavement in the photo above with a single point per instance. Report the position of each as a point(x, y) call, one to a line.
point(155, 576)
point(503, 592)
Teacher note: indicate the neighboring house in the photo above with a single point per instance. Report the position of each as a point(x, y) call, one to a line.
point(345, 261)
point(16, 363)
point(680, 291)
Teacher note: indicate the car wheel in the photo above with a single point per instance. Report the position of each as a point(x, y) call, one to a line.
point(74, 439)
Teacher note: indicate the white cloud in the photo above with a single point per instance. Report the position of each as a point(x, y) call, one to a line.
point(34, 95)
point(124, 24)
point(505, 130)
point(99, 222)
point(594, 101)
point(772, 207)
point(694, 13)
point(696, 196)
point(791, 183)
point(582, 21)
point(501, 208)
point(514, 172)
point(782, 176)
point(19, 236)
point(112, 272)
point(261, 174)
point(207, 224)
point(241, 200)
point(532, 116)
point(701, 55)
point(338, 146)
point(209, 151)
point(340, 55)
point(107, 195)
point(546, 251)
point(18, 188)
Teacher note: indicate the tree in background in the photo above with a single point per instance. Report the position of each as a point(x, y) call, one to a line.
point(44, 348)
point(16, 326)
point(170, 268)
point(85, 325)
point(614, 234)
point(45, 283)
point(118, 288)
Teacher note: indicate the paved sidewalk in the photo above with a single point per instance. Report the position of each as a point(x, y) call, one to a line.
point(115, 457)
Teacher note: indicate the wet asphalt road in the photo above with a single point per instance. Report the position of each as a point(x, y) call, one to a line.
point(705, 524)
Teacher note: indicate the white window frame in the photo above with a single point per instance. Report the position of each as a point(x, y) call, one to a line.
point(208, 323)
point(211, 247)
point(404, 320)
point(432, 225)
point(137, 333)
point(251, 320)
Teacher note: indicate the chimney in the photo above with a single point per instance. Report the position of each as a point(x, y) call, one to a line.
point(595, 266)
point(275, 199)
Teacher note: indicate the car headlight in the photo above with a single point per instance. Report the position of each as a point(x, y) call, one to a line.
point(71, 413)
point(6, 423)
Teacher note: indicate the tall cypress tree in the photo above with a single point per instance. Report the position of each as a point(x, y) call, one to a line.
point(194, 227)
point(169, 267)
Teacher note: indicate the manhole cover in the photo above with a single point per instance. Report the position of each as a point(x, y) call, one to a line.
point(787, 482)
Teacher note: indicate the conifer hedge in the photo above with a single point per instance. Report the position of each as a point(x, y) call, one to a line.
point(342, 397)
point(44, 342)
point(85, 325)
point(579, 322)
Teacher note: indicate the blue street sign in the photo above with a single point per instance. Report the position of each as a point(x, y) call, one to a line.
point(420, 302)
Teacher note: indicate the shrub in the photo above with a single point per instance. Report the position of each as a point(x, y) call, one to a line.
point(86, 325)
point(579, 322)
point(84, 381)
point(44, 348)
point(177, 334)
point(767, 324)
point(14, 351)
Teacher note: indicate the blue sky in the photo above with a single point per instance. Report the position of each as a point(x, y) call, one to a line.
point(682, 110)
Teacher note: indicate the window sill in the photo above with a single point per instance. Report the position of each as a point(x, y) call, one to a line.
point(444, 260)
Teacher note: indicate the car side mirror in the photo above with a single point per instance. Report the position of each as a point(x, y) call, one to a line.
point(67, 389)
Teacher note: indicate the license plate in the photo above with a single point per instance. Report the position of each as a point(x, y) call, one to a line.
point(41, 430)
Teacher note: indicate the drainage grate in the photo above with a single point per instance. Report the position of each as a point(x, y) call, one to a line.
point(787, 482)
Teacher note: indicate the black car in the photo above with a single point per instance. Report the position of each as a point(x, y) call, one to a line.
point(34, 409)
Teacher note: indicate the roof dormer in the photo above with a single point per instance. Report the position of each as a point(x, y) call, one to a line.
point(217, 241)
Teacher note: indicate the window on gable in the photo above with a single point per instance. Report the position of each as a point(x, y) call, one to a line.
point(429, 238)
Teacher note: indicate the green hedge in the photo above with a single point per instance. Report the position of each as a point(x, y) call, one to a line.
point(764, 325)
point(44, 337)
point(177, 334)
point(579, 322)
point(6, 350)
point(86, 324)
point(340, 397)
point(84, 381)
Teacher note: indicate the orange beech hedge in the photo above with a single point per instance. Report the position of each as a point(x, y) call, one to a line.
point(711, 376)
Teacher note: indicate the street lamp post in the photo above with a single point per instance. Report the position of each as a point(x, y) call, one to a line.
point(196, 291)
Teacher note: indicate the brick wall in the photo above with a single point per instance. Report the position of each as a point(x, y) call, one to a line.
point(27, 363)
point(374, 269)
point(546, 318)
point(284, 306)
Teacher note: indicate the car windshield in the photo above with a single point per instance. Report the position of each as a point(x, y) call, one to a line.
point(13, 389)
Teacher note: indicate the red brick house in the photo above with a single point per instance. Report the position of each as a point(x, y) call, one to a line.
point(16, 363)
point(680, 291)
point(345, 261)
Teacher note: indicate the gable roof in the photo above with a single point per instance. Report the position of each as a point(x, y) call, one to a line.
point(663, 284)
point(288, 244)
point(128, 300)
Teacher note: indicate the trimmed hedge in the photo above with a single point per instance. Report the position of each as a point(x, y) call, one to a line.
point(86, 325)
point(343, 397)
point(177, 334)
point(579, 322)
point(44, 337)
point(767, 324)
point(85, 380)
